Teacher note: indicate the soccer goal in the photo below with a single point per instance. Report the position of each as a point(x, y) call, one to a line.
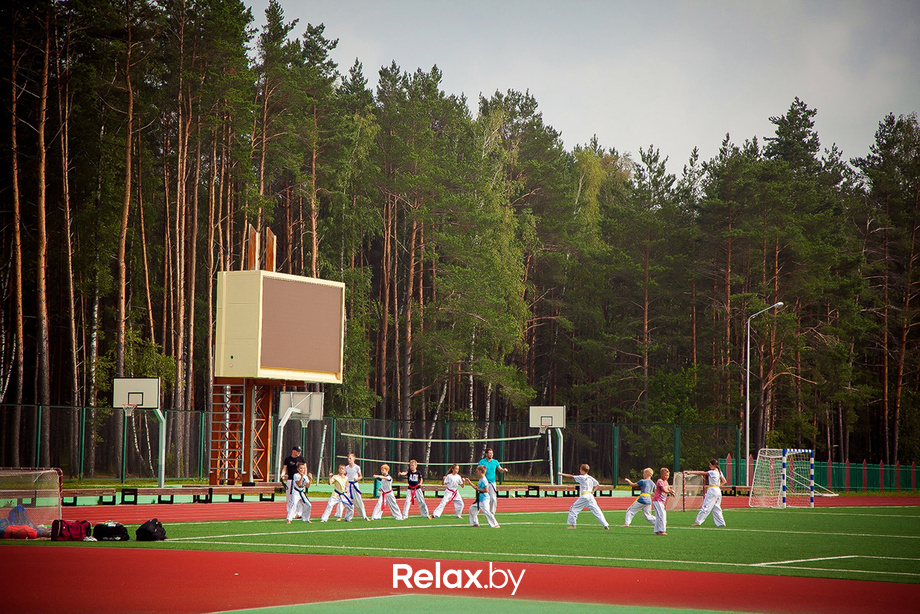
point(688, 492)
point(785, 478)
point(37, 490)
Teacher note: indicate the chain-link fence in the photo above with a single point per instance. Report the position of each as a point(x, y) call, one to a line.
point(105, 443)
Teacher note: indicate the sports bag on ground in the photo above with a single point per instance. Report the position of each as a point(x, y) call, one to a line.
point(110, 531)
point(70, 530)
point(151, 531)
point(15, 531)
point(19, 517)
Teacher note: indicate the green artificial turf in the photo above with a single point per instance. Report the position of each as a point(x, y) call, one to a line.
point(867, 543)
point(407, 604)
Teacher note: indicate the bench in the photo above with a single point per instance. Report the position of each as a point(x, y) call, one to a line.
point(513, 488)
point(163, 495)
point(563, 490)
point(104, 496)
point(24, 497)
point(237, 494)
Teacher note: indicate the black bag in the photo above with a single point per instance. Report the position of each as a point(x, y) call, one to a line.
point(110, 531)
point(151, 531)
point(70, 530)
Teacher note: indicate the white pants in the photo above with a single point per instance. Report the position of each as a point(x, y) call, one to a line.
point(635, 508)
point(356, 501)
point(661, 517)
point(586, 500)
point(302, 507)
point(289, 491)
point(337, 499)
point(388, 498)
point(712, 502)
point(450, 495)
point(474, 514)
point(493, 497)
point(419, 497)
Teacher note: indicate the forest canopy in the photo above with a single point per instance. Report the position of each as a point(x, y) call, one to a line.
point(487, 267)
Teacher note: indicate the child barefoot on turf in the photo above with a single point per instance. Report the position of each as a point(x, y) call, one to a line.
point(339, 495)
point(414, 479)
point(644, 502)
point(586, 486)
point(353, 471)
point(662, 492)
point(386, 495)
point(712, 500)
point(300, 484)
point(483, 503)
point(452, 483)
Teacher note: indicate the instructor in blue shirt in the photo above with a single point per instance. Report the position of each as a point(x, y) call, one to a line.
point(492, 466)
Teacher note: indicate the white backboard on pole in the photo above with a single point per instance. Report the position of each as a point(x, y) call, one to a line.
point(144, 392)
point(547, 416)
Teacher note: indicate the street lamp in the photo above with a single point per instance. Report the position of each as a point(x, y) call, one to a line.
point(747, 393)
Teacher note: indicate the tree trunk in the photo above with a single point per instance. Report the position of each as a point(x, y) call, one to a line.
point(122, 282)
point(16, 410)
point(41, 281)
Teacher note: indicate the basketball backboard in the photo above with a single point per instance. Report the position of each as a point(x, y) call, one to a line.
point(547, 416)
point(144, 392)
point(302, 405)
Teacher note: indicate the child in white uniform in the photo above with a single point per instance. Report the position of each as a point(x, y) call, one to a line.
point(712, 500)
point(386, 495)
point(483, 502)
point(414, 480)
point(339, 484)
point(586, 486)
point(300, 484)
point(353, 471)
point(452, 482)
point(644, 502)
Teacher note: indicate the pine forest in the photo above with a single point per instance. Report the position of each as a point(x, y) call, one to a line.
point(487, 267)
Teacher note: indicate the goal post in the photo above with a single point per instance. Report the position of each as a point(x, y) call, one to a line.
point(783, 478)
point(688, 492)
point(38, 490)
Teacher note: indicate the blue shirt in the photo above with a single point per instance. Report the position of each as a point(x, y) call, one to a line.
point(646, 487)
point(491, 467)
point(483, 485)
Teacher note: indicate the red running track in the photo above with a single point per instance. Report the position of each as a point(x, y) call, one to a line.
point(100, 579)
point(150, 580)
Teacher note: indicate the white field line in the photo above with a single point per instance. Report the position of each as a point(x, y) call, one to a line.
point(345, 529)
point(360, 526)
point(822, 533)
point(853, 515)
point(612, 559)
point(823, 558)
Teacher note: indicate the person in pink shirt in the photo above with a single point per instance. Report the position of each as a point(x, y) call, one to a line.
point(662, 492)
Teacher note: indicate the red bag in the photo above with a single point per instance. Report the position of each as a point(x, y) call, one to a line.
point(70, 530)
point(19, 532)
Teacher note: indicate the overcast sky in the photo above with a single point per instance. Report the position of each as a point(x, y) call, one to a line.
point(669, 74)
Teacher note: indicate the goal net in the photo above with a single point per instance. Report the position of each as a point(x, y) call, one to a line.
point(37, 490)
point(688, 492)
point(783, 478)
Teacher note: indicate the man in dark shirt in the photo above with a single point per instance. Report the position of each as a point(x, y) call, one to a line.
point(288, 469)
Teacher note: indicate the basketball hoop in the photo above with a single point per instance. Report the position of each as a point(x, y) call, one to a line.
point(129, 409)
point(544, 428)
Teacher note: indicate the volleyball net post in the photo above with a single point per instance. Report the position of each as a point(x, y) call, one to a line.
point(549, 418)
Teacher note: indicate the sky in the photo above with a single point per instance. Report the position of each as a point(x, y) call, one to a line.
point(667, 74)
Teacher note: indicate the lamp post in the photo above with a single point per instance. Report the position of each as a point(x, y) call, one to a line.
point(747, 392)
